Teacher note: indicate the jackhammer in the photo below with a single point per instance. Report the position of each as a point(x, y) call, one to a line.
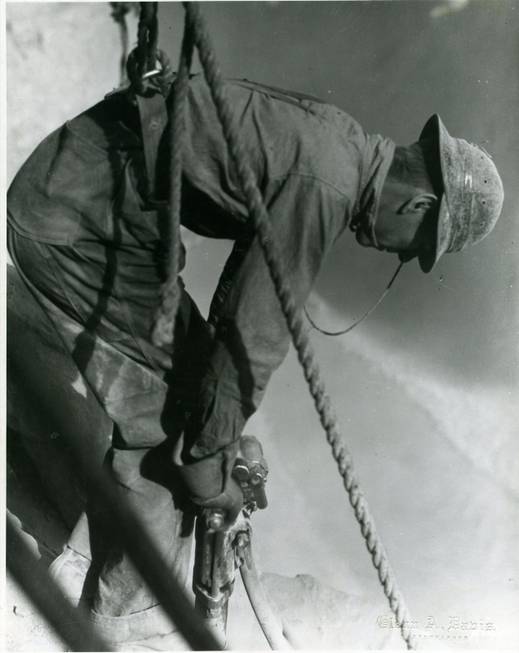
point(220, 551)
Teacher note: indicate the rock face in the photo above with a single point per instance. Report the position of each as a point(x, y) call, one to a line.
point(316, 615)
point(43, 42)
point(322, 617)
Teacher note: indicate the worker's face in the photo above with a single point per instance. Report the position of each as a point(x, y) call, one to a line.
point(405, 221)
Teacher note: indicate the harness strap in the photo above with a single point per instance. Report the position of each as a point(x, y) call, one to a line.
point(153, 116)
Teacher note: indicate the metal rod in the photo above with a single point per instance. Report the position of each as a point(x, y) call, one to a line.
point(70, 624)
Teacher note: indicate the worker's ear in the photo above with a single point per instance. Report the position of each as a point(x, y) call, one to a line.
point(420, 203)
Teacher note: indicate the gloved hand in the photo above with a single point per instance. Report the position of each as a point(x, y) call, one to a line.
point(209, 480)
point(230, 502)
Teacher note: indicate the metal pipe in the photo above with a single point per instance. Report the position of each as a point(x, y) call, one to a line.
point(70, 624)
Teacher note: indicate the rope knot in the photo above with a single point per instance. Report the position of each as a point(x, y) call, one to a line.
point(158, 79)
point(148, 68)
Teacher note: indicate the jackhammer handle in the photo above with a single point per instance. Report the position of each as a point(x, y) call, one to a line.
point(260, 496)
point(214, 519)
point(251, 449)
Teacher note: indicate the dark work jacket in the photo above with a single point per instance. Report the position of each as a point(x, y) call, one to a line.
point(317, 171)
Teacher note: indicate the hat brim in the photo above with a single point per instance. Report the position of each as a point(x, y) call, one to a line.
point(427, 259)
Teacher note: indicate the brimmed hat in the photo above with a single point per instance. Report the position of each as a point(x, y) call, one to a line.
point(472, 194)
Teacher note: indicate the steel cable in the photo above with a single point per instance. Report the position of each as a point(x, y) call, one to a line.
point(72, 625)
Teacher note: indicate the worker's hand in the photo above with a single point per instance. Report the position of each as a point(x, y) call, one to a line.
point(230, 502)
point(209, 481)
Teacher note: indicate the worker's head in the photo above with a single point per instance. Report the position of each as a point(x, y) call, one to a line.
point(440, 195)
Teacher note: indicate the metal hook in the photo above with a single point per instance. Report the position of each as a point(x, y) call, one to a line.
point(152, 73)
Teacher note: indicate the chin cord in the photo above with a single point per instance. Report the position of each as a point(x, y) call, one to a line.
point(361, 319)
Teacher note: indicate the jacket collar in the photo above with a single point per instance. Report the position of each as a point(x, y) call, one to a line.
point(377, 160)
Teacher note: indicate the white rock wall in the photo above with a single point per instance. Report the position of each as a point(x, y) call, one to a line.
point(61, 58)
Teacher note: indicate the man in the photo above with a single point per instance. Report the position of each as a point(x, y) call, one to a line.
point(86, 233)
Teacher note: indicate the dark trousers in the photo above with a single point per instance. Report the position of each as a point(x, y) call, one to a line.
point(104, 320)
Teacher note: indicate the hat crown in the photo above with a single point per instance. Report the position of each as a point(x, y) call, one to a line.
point(473, 191)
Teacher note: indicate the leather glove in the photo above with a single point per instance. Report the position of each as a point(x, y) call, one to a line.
point(230, 502)
point(209, 480)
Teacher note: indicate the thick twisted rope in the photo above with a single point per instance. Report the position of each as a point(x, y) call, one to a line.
point(143, 58)
point(147, 36)
point(163, 331)
point(292, 314)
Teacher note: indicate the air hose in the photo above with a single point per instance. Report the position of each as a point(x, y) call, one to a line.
point(275, 632)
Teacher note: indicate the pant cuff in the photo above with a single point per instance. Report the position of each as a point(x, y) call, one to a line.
point(138, 625)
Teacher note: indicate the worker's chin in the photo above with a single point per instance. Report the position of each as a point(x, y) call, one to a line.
point(406, 255)
point(363, 239)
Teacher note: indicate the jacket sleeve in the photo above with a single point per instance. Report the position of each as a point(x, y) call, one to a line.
point(251, 338)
